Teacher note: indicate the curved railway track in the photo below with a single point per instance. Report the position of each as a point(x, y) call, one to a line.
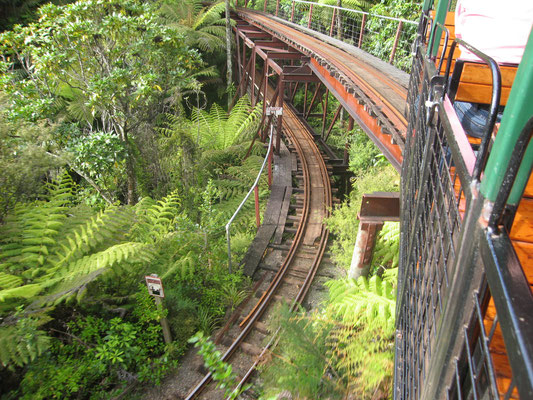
point(295, 275)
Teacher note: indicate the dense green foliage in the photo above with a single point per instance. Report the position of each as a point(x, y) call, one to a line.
point(118, 162)
point(343, 351)
point(110, 67)
point(98, 113)
point(381, 42)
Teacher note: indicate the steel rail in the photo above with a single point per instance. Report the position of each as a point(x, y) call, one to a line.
point(265, 300)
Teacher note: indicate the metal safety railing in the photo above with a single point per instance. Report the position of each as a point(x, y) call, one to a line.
point(387, 38)
point(254, 189)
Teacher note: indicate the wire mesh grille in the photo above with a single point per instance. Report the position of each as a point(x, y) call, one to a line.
point(436, 199)
point(476, 375)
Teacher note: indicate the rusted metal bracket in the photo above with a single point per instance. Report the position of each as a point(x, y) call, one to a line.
point(379, 207)
point(376, 208)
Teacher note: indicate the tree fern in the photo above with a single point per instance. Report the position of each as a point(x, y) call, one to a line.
point(29, 234)
point(218, 130)
point(156, 218)
point(39, 268)
point(203, 28)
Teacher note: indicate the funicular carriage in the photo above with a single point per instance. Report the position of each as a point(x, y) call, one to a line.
point(464, 313)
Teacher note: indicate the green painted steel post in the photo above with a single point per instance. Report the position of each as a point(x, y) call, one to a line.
point(440, 16)
point(427, 5)
point(517, 112)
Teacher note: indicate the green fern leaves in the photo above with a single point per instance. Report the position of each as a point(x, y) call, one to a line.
point(22, 342)
point(219, 130)
point(369, 302)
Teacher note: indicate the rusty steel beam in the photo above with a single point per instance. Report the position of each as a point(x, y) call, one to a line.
point(301, 78)
point(313, 99)
point(324, 111)
point(346, 155)
point(258, 35)
point(335, 117)
point(361, 115)
point(294, 91)
point(287, 55)
point(379, 207)
point(248, 29)
point(276, 43)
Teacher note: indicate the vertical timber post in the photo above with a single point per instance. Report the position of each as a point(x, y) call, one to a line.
point(277, 7)
point(364, 245)
point(270, 169)
point(238, 51)
point(310, 16)
point(305, 97)
point(347, 144)
point(313, 100)
point(265, 87)
point(257, 216)
point(164, 323)
point(332, 22)
point(280, 117)
point(324, 112)
point(292, 11)
point(265, 6)
point(396, 40)
point(362, 31)
point(253, 75)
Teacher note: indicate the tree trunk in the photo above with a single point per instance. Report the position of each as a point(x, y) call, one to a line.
point(132, 179)
point(228, 53)
point(130, 167)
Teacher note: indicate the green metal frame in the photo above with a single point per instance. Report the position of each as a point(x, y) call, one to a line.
point(518, 111)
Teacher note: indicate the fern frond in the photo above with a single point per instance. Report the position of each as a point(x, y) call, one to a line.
point(101, 228)
point(24, 292)
point(365, 301)
point(23, 342)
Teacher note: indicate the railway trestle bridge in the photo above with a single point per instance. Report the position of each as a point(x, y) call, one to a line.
point(464, 324)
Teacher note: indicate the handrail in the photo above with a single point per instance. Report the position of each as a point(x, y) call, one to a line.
point(256, 184)
point(356, 11)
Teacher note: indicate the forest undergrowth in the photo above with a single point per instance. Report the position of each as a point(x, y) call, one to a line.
point(118, 161)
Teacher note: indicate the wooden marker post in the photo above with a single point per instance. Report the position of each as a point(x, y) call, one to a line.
point(155, 289)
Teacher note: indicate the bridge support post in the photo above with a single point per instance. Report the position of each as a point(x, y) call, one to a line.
point(319, 84)
point(280, 117)
point(292, 11)
point(252, 68)
point(257, 216)
point(324, 112)
point(376, 208)
point(396, 40)
point(332, 22)
point(362, 31)
point(362, 253)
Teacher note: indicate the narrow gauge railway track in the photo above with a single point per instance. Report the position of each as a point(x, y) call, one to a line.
point(298, 269)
